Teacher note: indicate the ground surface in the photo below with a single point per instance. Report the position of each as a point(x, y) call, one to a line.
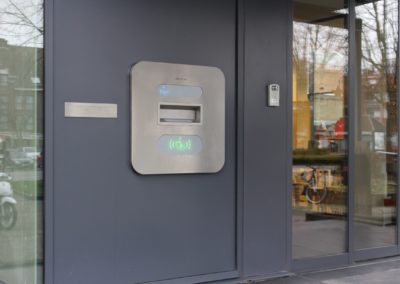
point(386, 271)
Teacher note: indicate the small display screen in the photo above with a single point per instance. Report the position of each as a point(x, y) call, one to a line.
point(180, 144)
point(179, 91)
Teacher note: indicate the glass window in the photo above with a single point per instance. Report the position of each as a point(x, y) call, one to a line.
point(376, 145)
point(21, 141)
point(320, 59)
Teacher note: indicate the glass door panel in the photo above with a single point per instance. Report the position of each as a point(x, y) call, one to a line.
point(319, 197)
point(21, 141)
point(376, 147)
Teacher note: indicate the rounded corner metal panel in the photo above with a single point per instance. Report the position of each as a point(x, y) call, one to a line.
point(220, 167)
point(177, 118)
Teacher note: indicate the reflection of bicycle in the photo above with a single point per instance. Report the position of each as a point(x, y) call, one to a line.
point(314, 194)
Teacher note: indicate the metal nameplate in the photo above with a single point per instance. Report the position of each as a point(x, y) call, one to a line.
point(91, 110)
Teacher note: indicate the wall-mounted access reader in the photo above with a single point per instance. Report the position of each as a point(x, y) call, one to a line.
point(178, 118)
point(273, 95)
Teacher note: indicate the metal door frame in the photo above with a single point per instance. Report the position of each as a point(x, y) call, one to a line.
point(48, 224)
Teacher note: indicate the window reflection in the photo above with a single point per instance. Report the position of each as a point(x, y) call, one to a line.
point(377, 129)
point(320, 57)
point(21, 141)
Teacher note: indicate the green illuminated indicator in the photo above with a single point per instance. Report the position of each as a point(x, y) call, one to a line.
point(180, 144)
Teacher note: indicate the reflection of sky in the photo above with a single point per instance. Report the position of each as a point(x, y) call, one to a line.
point(335, 59)
point(17, 23)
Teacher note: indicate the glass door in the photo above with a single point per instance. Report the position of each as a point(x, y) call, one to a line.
point(319, 197)
point(21, 141)
point(376, 132)
point(334, 168)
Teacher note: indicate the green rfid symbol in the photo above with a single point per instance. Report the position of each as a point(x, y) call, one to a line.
point(179, 144)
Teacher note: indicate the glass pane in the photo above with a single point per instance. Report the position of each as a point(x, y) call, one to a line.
point(320, 58)
point(377, 117)
point(21, 141)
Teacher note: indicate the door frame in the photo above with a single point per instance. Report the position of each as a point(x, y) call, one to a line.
point(48, 134)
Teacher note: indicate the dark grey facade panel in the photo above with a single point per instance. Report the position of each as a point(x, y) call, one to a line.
point(265, 137)
point(112, 225)
point(107, 224)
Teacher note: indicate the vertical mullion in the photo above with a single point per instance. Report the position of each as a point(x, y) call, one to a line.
point(240, 45)
point(351, 127)
point(289, 185)
point(48, 134)
point(398, 132)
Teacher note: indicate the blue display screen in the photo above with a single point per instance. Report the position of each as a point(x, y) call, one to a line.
point(181, 91)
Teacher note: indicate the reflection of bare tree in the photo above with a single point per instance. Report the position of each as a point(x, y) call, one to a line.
point(21, 30)
point(22, 21)
point(379, 57)
point(320, 51)
point(323, 46)
point(379, 35)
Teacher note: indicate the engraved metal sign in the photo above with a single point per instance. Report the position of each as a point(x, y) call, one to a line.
point(90, 110)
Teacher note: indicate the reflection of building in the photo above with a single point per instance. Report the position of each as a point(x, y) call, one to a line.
point(21, 94)
point(326, 109)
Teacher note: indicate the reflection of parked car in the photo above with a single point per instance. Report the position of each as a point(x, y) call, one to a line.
point(5, 177)
point(19, 159)
point(31, 152)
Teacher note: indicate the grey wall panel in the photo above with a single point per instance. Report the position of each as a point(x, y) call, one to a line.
point(265, 139)
point(111, 224)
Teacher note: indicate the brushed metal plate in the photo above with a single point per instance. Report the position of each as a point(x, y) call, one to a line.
point(90, 110)
point(152, 125)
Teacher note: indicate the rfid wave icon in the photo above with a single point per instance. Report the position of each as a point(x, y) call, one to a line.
point(180, 145)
